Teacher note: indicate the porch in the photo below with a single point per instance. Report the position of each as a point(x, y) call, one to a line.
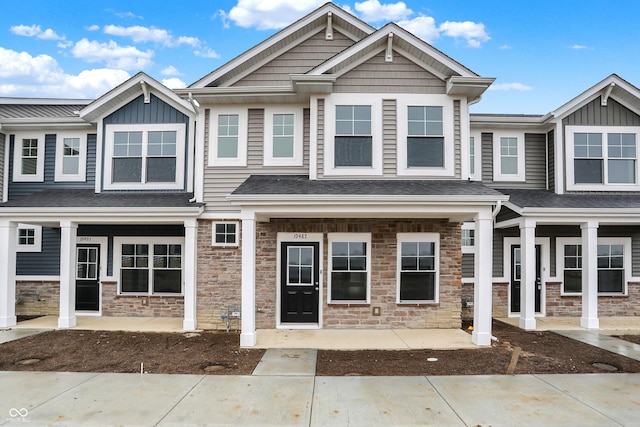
point(607, 324)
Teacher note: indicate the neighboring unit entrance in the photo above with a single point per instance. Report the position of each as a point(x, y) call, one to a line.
point(299, 282)
point(87, 278)
point(516, 274)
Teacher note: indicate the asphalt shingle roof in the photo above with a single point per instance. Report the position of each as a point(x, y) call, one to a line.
point(302, 185)
point(548, 199)
point(90, 199)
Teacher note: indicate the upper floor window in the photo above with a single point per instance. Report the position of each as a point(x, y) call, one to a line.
point(71, 157)
point(283, 137)
point(353, 142)
point(602, 156)
point(28, 160)
point(425, 136)
point(145, 156)
point(508, 157)
point(228, 137)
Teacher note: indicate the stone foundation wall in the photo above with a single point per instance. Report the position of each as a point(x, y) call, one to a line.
point(444, 314)
point(608, 306)
point(500, 299)
point(467, 301)
point(114, 305)
point(37, 298)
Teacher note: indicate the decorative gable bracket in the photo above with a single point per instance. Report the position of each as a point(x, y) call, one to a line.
point(329, 33)
point(606, 93)
point(388, 57)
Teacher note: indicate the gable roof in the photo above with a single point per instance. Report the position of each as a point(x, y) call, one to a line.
point(137, 85)
point(302, 29)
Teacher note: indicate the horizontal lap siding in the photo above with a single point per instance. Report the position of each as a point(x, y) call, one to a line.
point(298, 60)
point(378, 76)
point(219, 182)
point(43, 263)
point(389, 136)
point(468, 266)
point(457, 138)
point(551, 159)
point(535, 162)
point(2, 174)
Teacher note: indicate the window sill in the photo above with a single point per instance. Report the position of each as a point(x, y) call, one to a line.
point(349, 304)
point(609, 294)
point(418, 304)
point(148, 295)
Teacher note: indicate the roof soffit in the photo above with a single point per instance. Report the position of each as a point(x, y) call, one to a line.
point(137, 85)
point(282, 41)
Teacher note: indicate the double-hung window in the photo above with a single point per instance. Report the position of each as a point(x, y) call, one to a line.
point(145, 156)
point(508, 157)
point(425, 136)
point(418, 260)
point(353, 145)
point(283, 137)
point(611, 264)
point(600, 158)
point(152, 266)
point(350, 267)
point(71, 157)
point(228, 136)
point(28, 160)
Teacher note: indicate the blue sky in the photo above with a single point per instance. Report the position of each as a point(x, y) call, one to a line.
point(543, 53)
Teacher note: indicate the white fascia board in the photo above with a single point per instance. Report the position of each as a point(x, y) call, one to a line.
point(496, 121)
point(44, 101)
point(350, 199)
point(109, 214)
point(46, 123)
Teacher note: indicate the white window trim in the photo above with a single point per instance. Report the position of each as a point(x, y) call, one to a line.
point(37, 238)
point(82, 160)
point(446, 103)
point(375, 102)
point(298, 118)
point(497, 173)
point(625, 241)
point(226, 245)
point(477, 150)
point(466, 249)
point(419, 237)
point(117, 260)
point(349, 237)
point(570, 131)
point(179, 128)
point(243, 124)
point(18, 176)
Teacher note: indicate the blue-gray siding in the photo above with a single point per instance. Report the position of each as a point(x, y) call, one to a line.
point(535, 162)
point(45, 263)
point(468, 265)
point(21, 189)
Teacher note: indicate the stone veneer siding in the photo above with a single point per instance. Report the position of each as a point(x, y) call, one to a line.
point(114, 305)
point(444, 314)
point(27, 294)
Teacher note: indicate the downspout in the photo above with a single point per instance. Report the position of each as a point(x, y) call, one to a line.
point(496, 209)
point(196, 107)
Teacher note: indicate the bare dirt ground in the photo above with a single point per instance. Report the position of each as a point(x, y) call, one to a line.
point(218, 353)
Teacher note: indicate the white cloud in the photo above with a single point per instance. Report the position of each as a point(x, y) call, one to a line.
point(505, 47)
point(114, 55)
point(41, 76)
point(474, 33)
point(35, 31)
point(140, 34)
point(174, 83)
point(206, 53)
point(170, 71)
point(510, 86)
point(423, 27)
point(579, 47)
point(268, 15)
point(374, 11)
point(93, 27)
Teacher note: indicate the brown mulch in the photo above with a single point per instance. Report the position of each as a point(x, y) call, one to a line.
point(218, 353)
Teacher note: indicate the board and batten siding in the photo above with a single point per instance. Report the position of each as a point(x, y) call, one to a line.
point(594, 114)
point(220, 181)
point(298, 60)
point(535, 162)
point(378, 76)
point(21, 189)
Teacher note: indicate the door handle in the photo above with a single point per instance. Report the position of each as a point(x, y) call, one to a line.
point(317, 288)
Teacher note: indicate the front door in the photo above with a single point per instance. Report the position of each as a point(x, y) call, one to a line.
point(516, 274)
point(299, 282)
point(88, 278)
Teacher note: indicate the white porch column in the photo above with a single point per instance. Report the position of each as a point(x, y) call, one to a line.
point(190, 277)
point(589, 317)
point(8, 233)
point(528, 275)
point(248, 334)
point(482, 289)
point(68, 233)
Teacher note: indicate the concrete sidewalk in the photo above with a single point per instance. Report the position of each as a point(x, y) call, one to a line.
point(47, 398)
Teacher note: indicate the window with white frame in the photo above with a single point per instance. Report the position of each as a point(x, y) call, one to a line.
point(468, 237)
point(353, 142)
point(28, 159)
point(612, 263)
point(349, 267)
point(283, 137)
point(425, 136)
point(601, 157)
point(418, 259)
point(71, 157)
point(149, 266)
point(145, 156)
point(508, 157)
point(225, 233)
point(475, 165)
point(228, 137)
point(29, 238)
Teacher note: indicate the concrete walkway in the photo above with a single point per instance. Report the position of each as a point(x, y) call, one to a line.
point(74, 399)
